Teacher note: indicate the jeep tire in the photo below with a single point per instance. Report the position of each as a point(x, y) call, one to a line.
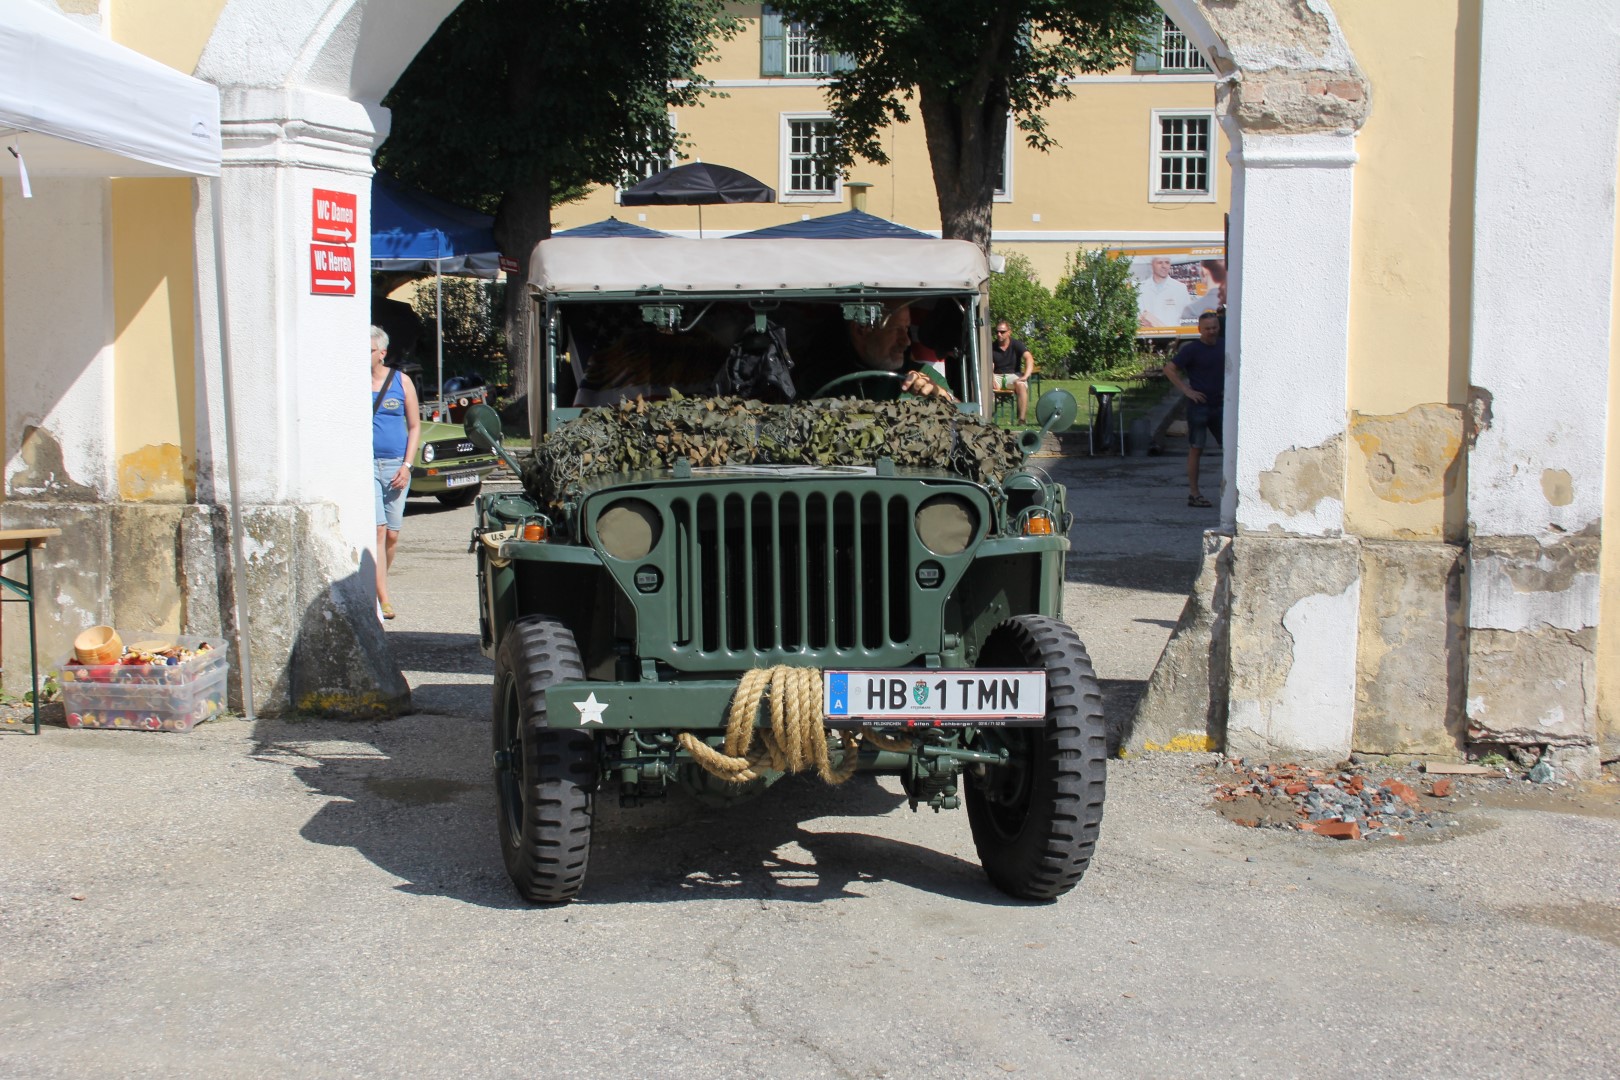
point(1035, 820)
point(545, 778)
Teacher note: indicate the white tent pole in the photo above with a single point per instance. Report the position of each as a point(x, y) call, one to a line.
point(238, 556)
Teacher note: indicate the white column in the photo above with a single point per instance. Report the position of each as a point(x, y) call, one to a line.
point(1295, 592)
point(300, 360)
point(1288, 346)
point(1543, 261)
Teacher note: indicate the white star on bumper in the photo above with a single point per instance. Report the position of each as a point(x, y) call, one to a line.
point(590, 710)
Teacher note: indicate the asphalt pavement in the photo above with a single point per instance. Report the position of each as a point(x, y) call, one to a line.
point(321, 898)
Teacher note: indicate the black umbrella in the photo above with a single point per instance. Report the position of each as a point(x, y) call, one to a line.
point(697, 184)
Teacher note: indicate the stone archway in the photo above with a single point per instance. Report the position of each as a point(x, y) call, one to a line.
point(301, 82)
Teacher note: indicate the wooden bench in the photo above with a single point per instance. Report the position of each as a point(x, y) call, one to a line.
point(1009, 398)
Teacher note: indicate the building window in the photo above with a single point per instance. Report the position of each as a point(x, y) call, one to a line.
point(788, 48)
point(805, 139)
point(645, 167)
point(1166, 49)
point(803, 58)
point(1183, 157)
point(1004, 171)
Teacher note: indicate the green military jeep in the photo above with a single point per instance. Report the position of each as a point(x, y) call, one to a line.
point(740, 551)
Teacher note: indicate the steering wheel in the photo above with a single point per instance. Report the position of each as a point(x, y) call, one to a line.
point(885, 385)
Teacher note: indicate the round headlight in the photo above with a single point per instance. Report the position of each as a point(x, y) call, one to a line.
point(629, 529)
point(427, 452)
point(946, 524)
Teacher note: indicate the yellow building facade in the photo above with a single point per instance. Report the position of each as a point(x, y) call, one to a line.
point(1100, 186)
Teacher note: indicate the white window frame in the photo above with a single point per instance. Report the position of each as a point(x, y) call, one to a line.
point(784, 184)
point(1199, 66)
point(1157, 196)
point(670, 163)
point(1004, 194)
point(816, 62)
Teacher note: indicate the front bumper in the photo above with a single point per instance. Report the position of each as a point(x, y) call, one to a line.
point(437, 478)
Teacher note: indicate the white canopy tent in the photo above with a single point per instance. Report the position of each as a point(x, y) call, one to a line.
point(75, 103)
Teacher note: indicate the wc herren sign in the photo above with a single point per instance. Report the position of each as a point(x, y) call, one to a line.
point(331, 253)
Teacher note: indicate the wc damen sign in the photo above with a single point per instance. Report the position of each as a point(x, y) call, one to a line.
point(332, 230)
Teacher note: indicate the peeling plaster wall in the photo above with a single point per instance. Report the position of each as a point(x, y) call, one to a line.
point(1404, 471)
point(1549, 137)
point(58, 354)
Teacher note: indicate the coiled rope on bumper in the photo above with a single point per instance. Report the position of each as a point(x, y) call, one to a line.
point(796, 738)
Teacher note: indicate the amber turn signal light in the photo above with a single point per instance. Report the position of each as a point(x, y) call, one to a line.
point(1038, 525)
point(534, 531)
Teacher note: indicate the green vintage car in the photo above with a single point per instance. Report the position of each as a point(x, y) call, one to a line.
point(709, 591)
point(448, 465)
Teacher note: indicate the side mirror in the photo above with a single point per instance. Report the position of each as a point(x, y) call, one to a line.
point(483, 426)
point(1056, 410)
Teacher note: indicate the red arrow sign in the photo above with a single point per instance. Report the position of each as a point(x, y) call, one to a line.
point(331, 270)
point(332, 217)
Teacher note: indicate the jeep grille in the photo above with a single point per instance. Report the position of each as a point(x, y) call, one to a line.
point(795, 571)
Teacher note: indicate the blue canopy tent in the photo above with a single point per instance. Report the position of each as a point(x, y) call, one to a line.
point(613, 227)
point(848, 225)
point(414, 231)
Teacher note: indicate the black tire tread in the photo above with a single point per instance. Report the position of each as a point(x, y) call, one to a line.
point(547, 859)
point(1053, 849)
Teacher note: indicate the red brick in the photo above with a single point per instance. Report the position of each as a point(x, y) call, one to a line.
point(1339, 830)
point(1355, 785)
point(1295, 788)
point(1441, 789)
point(1401, 791)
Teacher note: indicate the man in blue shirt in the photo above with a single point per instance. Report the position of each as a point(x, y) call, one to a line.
point(1199, 372)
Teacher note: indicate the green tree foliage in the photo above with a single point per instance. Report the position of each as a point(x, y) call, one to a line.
point(514, 104)
point(473, 341)
point(966, 65)
point(1099, 297)
point(1037, 317)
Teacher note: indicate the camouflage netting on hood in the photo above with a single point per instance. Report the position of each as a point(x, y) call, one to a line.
point(635, 435)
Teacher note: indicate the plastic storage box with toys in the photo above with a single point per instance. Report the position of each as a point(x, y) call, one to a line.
point(164, 684)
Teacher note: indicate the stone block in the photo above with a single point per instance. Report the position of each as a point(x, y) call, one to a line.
point(1532, 687)
point(1294, 614)
point(145, 565)
point(1410, 650)
point(72, 582)
point(1184, 704)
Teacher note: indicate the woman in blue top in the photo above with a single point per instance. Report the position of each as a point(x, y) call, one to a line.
point(396, 426)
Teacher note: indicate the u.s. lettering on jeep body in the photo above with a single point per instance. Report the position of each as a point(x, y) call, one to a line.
point(740, 551)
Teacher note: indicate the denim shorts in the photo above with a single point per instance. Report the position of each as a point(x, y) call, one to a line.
point(1202, 421)
point(390, 500)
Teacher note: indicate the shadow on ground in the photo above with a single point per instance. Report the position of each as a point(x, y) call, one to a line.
point(414, 797)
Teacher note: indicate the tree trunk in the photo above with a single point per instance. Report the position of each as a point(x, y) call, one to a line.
point(521, 222)
point(966, 143)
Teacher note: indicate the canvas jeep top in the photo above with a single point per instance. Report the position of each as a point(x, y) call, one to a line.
point(740, 551)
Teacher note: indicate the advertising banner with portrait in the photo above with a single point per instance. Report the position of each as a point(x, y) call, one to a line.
point(1175, 285)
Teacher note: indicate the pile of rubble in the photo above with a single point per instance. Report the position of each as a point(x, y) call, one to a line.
point(1329, 803)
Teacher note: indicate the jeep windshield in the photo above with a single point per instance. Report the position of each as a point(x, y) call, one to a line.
point(772, 320)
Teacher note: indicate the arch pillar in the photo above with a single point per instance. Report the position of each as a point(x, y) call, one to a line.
point(1264, 658)
point(300, 84)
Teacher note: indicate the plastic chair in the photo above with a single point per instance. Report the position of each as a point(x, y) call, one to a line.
point(1104, 417)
